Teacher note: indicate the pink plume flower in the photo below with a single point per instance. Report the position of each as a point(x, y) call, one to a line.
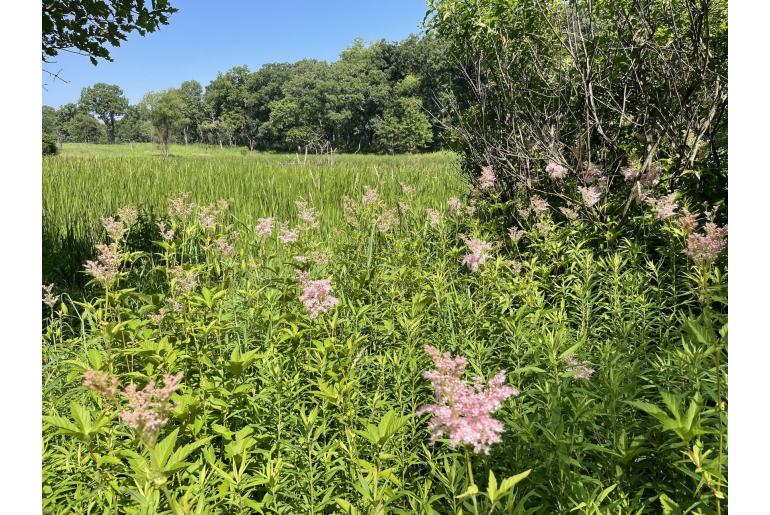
point(387, 220)
point(167, 233)
point(592, 172)
point(487, 179)
point(571, 214)
point(705, 248)
point(128, 215)
point(107, 265)
point(148, 408)
point(515, 233)
point(664, 207)
point(479, 253)
point(434, 217)
point(538, 205)
point(370, 197)
point(629, 173)
point(454, 205)
point(115, 228)
point(179, 207)
point(590, 195)
point(49, 298)
point(102, 383)
point(555, 171)
point(580, 368)
point(288, 236)
point(317, 297)
point(307, 214)
point(463, 411)
point(264, 227)
point(688, 221)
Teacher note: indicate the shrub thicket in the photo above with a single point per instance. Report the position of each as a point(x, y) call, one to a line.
point(50, 145)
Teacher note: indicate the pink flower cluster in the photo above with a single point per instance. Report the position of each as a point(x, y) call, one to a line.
point(307, 214)
point(264, 227)
point(49, 298)
point(115, 228)
point(148, 407)
point(664, 207)
point(186, 280)
point(210, 215)
point(225, 246)
point(316, 295)
point(515, 233)
point(179, 207)
point(570, 213)
point(705, 248)
point(370, 197)
point(487, 179)
point(106, 267)
point(387, 220)
point(479, 253)
point(590, 195)
point(288, 236)
point(538, 205)
point(592, 173)
point(434, 217)
point(464, 411)
point(128, 215)
point(102, 383)
point(629, 173)
point(167, 233)
point(555, 171)
point(454, 205)
point(688, 222)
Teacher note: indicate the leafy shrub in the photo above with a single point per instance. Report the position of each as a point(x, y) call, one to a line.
point(50, 145)
point(593, 106)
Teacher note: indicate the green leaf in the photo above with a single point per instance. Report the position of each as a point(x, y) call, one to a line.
point(162, 449)
point(472, 490)
point(492, 487)
point(347, 508)
point(509, 482)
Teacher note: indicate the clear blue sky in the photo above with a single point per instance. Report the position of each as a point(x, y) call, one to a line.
point(209, 36)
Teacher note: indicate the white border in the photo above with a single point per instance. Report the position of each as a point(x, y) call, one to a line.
point(20, 259)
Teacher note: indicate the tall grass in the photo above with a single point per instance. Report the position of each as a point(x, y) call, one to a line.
point(88, 182)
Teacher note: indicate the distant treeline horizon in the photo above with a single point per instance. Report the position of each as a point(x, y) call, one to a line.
point(384, 97)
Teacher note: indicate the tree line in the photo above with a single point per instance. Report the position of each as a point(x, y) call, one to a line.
point(384, 97)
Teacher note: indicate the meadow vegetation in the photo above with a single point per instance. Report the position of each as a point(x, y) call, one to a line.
point(272, 351)
point(533, 323)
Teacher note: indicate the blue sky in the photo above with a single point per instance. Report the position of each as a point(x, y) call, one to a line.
point(209, 36)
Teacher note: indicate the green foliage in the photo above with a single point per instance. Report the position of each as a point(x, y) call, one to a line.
point(283, 414)
point(166, 111)
point(617, 83)
point(50, 121)
point(85, 128)
point(404, 126)
point(374, 98)
point(91, 26)
point(50, 145)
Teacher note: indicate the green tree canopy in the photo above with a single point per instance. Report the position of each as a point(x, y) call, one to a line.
point(89, 26)
point(166, 112)
point(107, 102)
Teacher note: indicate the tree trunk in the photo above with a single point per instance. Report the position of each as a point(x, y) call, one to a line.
point(112, 128)
point(184, 131)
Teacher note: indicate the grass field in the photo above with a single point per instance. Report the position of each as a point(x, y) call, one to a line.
point(87, 182)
